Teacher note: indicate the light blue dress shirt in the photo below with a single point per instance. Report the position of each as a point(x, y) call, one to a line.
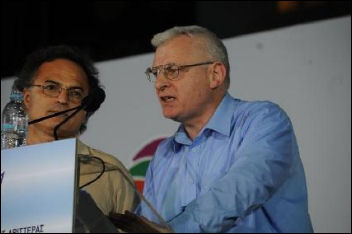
point(242, 173)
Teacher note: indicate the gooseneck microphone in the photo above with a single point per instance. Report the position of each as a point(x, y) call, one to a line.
point(65, 120)
point(52, 115)
point(90, 104)
point(93, 101)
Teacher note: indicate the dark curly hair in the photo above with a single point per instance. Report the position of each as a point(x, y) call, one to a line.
point(25, 76)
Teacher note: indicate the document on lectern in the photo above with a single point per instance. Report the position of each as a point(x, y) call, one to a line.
point(38, 187)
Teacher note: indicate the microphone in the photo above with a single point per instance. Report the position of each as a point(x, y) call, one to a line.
point(90, 104)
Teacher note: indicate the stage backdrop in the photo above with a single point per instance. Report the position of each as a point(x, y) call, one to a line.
point(306, 69)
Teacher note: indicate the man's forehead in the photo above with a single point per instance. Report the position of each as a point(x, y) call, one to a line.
point(60, 81)
point(178, 59)
point(63, 72)
point(172, 56)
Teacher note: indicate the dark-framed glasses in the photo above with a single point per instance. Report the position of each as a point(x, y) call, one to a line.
point(75, 95)
point(170, 71)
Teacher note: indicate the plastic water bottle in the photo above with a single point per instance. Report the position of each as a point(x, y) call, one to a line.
point(14, 124)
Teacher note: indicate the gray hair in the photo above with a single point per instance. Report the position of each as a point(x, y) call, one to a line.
point(214, 46)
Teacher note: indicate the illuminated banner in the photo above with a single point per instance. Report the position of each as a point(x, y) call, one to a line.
point(37, 187)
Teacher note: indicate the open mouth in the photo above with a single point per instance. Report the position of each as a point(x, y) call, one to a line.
point(168, 98)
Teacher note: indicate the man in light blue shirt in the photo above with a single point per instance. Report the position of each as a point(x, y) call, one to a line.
point(242, 173)
point(232, 166)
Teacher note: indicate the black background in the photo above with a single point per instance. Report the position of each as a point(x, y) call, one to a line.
point(114, 29)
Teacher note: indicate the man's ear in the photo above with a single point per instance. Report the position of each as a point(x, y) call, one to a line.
point(217, 75)
point(26, 97)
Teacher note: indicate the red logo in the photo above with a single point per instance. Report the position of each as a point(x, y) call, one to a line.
point(141, 163)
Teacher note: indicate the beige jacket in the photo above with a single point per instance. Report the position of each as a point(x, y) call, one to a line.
point(111, 192)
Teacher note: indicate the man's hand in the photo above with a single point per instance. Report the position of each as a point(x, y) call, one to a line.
point(133, 223)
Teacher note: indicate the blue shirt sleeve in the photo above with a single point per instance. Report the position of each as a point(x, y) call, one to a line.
point(262, 164)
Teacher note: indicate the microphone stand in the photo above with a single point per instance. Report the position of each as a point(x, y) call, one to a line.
point(53, 115)
point(65, 120)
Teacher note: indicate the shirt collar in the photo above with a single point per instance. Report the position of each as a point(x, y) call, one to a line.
point(221, 119)
point(219, 122)
point(181, 137)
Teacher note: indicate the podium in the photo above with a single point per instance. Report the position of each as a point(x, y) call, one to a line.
point(38, 187)
point(40, 193)
point(89, 218)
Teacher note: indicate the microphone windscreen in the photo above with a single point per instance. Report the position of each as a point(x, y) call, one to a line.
point(93, 101)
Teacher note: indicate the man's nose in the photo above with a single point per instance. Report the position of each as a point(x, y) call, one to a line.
point(161, 82)
point(63, 97)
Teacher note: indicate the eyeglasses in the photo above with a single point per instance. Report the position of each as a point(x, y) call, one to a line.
point(170, 71)
point(75, 95)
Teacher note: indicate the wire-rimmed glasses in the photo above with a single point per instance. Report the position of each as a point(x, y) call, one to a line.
point(75, 95)
point(170, 71)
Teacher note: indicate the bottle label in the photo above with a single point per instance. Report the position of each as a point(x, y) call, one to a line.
point(8, 126)
point(16, 96)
